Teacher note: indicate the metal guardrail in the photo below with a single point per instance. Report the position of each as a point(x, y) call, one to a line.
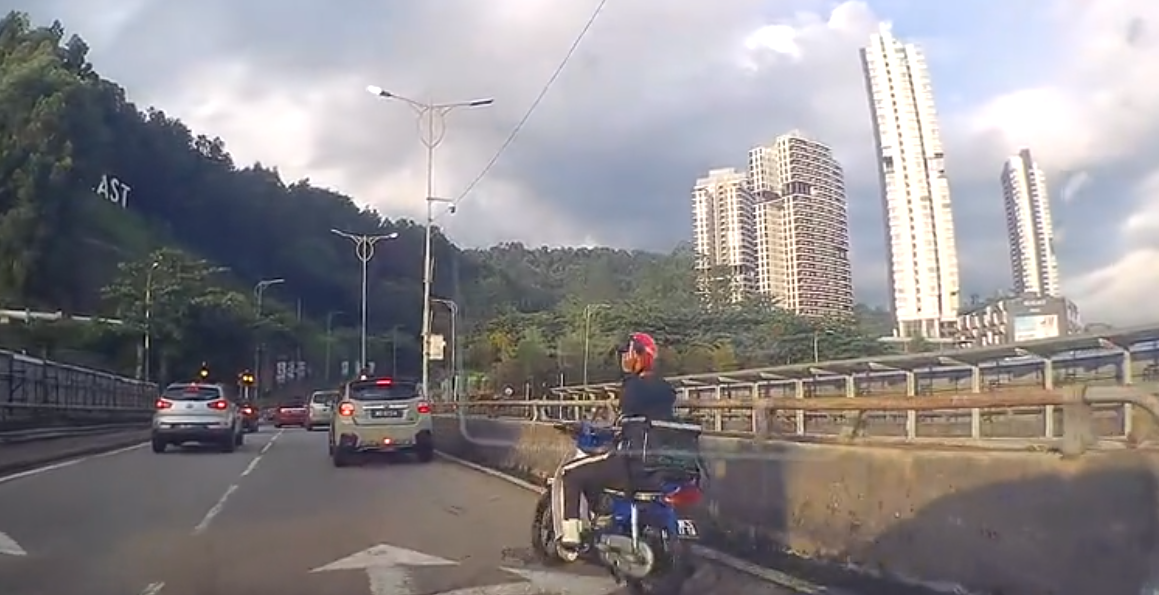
point(1079, 405)
point(36, 393)
point(1117, 356)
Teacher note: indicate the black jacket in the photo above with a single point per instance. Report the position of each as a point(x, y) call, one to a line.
point(648, 396)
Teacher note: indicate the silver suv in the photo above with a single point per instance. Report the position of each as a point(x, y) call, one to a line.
point(196, 412)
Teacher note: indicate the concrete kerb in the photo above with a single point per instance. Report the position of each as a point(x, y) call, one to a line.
point(892, 520)
point(64, 454)
point(767, 574)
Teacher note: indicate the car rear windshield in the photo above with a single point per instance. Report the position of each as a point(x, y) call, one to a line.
point(371, 391)
point(192, 393)
point(323, 397)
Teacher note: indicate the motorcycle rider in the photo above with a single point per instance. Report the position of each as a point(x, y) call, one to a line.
point(644, 395)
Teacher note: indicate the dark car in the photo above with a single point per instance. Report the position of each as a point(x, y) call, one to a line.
point(250, 416)
point(290, 413)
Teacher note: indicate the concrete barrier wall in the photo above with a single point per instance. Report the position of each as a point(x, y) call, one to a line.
point(1006, 523)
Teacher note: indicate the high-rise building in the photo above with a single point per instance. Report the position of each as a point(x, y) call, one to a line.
point(923, 280)
point(802, 226)
point(722, 229)
point(1029, 228)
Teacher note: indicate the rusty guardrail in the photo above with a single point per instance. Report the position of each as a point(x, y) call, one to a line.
point(1078, 403)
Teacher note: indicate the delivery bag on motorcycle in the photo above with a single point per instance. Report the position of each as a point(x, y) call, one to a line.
point(660, 451)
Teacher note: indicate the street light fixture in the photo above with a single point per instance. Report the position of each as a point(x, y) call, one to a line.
point(259, 291)
point(454, 345)
point(432, 129)
point(364, 250)
point(589, 311)
point(329, 338)
point(147, 340)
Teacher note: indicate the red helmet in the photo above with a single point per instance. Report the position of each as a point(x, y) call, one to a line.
point(639, 353)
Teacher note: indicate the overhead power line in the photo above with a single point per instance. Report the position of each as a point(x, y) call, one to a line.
point(534, 105)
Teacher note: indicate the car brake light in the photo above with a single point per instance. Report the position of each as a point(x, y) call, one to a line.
point(162, 404)
point(219, 405)
point(424, 407)
point(383, 382)
point(346, 409)
point(247, 410)
point(685, 496)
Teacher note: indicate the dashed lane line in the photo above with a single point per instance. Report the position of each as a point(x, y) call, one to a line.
point(233, 487)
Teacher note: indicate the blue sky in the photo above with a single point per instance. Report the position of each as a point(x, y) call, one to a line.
point(659, 93)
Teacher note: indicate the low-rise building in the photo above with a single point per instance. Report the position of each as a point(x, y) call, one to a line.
point(1018, 318)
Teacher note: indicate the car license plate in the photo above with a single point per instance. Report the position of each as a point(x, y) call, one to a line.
point(686, 529)
point(386, 413)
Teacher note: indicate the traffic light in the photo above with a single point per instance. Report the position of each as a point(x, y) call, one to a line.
point(247, 378)
point(203, 373)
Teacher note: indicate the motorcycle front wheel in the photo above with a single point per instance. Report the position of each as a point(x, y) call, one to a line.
point(543, 539)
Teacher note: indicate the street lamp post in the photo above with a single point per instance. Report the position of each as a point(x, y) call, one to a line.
point(329, 338)
point(589, 310)
point(454, 345)
point(147, 340)
point(364, 250)
point(816, 344)
point(432, 129)
point(259, 291)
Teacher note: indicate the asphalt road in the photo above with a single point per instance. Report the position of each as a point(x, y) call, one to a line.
point(270, 518)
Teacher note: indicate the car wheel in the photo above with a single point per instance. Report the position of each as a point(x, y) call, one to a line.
point(425, 453)
point(308, 428)
point(339, 458)
point(229, 444)
point(278, 426)
point(159, 445)
point(239, 439)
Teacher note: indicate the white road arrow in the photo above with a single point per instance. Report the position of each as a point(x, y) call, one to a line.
point(542, 582)
point(10, 547)
point(385, 566)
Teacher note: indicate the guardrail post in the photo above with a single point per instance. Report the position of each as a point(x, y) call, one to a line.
point(911, 416)
point(799, 390)
point(975, 413)
point(1078, 434)
point(1048, 411)
point(760, 415)
point(1128, 379)
point(717, 414)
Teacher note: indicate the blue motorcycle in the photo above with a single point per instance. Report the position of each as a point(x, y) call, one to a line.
point(642, 538)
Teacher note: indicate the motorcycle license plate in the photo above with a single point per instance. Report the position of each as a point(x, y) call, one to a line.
point(686, 529)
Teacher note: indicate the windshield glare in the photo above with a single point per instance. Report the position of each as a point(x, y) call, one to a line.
point(395, 392)
point(323, 397)
point(192, 393)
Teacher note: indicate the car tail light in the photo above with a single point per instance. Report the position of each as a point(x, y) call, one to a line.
point(346, 409)
point(424, 407)
point(247, 410)
point(384, 382)
point(220, 405)
point(162, 404)
point(688, 495)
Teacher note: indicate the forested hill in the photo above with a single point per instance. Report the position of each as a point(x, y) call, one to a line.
point(63, 130)
point(101, 200)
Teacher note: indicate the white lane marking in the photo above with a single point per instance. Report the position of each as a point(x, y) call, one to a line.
point(220, 505)
point(253, 465)
point(216, 510)
point(767, 574)
point(69, 463)
point(152, 589)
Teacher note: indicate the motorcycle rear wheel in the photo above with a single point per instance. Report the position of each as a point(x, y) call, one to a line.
point(670, 579)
